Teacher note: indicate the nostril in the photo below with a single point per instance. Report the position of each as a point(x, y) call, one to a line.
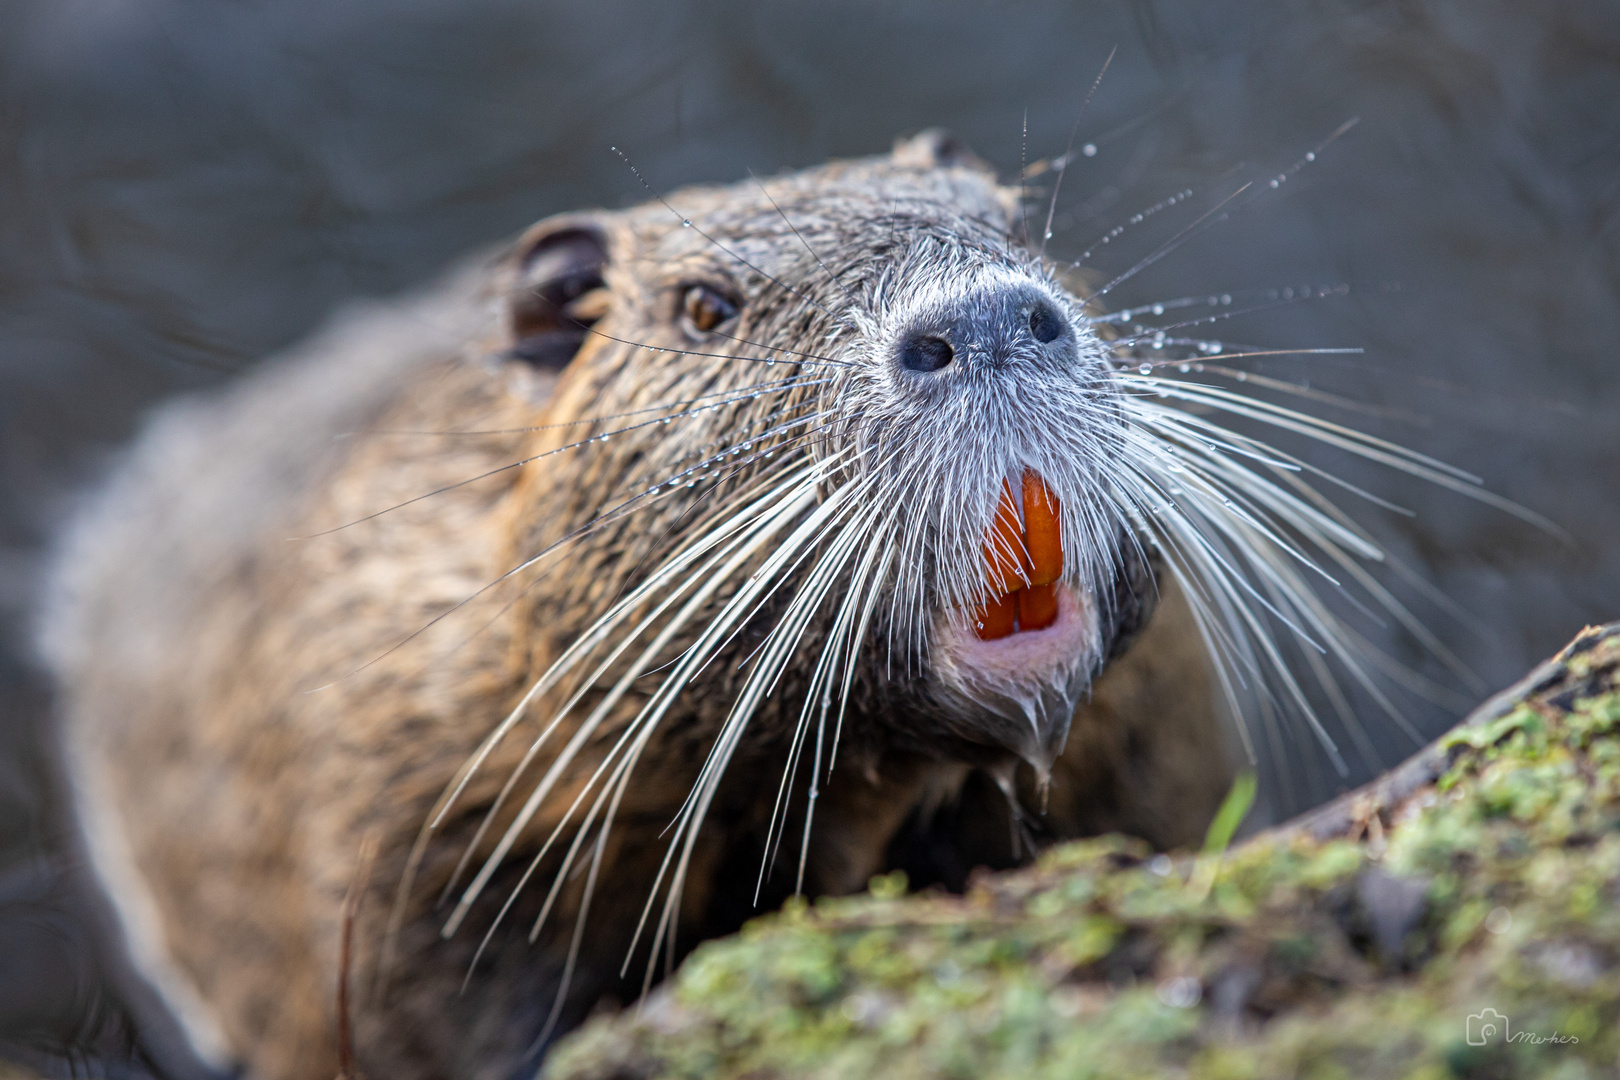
point(1045, 324)
point(926, 353)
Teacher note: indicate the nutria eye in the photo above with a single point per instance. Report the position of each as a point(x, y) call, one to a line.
point(926, 353)
point(1045, 324)
point(706, 309)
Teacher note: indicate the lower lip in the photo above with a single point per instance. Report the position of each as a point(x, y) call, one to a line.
point(1029, 652)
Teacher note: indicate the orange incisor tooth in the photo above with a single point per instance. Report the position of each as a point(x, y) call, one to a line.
point(996, 619)
point(1023, 561)
point(1043, 538)
point(1037, 607)
point(1004, 547)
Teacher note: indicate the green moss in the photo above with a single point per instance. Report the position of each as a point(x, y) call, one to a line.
point(1361, 954)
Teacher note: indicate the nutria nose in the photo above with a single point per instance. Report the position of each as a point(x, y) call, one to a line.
point(1045, 325)
point(994, 331)
point(925, 352)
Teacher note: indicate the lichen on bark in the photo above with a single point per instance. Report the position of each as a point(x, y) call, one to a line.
point(1359, 941)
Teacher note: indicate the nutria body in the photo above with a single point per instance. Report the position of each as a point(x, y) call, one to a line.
point(262, 669)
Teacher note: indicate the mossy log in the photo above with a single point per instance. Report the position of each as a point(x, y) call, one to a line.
point(1367, 940)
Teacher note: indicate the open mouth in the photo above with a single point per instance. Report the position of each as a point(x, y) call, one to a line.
point(1033, 624)
point(1024, 553)
point(1029, 658)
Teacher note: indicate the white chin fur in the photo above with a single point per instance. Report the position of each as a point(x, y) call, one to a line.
point(1034, 678)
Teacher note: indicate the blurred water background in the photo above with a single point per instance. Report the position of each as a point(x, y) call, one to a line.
point(188, 185)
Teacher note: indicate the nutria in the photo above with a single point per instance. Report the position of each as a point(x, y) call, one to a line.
point(746, 542)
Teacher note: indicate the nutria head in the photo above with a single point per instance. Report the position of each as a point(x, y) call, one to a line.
point(841, 428)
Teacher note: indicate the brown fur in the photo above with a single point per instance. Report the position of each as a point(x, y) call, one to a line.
point(241, 706)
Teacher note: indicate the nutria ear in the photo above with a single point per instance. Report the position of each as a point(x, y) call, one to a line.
point(936, 148)
point(557, 290)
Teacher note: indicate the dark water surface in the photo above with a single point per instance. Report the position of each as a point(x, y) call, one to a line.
point(188, 185)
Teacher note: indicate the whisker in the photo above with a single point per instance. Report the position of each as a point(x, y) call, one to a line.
point(600, 437)
point(1068, 155)
point(830, 566)
point(1205, 220)
point(727, 396)
point(1116, 231)
point(1023, 180)
point(792, 503)
point(1209, 217)
point(755, 688)
point(720, 536)
point(590, 640)
point(630, 505)
point(811, 359)
point(1151, 332)
point(551, 677)
point(849, 665)
point(1301, 390)
point(687, 222)
point(833, 278)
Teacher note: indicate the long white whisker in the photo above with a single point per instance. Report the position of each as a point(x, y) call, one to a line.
point(793, 504)
point(756, 687)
